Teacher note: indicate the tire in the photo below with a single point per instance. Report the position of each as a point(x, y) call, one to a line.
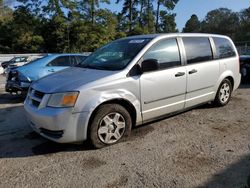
point(111, 123)
point(224, 93)
point(244, 73)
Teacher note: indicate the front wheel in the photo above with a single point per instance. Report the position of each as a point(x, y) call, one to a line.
point(110, 124)
point(224, 93)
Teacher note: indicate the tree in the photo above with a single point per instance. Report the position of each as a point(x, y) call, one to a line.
point(243, 33)
point(193, 25)
point(221, 21)
point(5, 12)
point(129, 11)
point(169, 4)
point(90, 7)
point(167, 24)
point(26, 31)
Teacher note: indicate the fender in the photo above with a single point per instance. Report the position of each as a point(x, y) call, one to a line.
point(96, 98)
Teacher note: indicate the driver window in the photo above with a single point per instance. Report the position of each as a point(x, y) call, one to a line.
point(166, 52)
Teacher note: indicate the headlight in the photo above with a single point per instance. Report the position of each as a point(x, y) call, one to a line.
point(67, 99)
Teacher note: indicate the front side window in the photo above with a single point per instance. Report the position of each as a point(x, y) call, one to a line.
point(62, 61)
point(198, 49)
point(115, 55)
point(166, 52)
point(73, 61)
point(80, 59)
point(224, 48)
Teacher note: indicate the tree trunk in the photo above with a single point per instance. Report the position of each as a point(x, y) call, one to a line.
point(157, 16)
point(130, 15)
point(148, 14)
point(140, 19)
point(93, 12)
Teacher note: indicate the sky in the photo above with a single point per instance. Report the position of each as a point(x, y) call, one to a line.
point(185, 8)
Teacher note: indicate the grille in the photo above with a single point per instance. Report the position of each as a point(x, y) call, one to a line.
point(35, 97)
point(38, 94)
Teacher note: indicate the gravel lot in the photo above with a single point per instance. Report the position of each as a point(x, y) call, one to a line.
point(203, 147)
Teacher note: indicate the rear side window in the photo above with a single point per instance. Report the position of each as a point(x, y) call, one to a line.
point(166, 52)
point(224, 48)
point(198, 49)
point(62, 61)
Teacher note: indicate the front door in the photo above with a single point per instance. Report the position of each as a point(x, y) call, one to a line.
point(163, 91)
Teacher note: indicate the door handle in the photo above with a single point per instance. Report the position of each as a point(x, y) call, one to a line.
point(192, 71)
point(51, 70)
point(179, 74)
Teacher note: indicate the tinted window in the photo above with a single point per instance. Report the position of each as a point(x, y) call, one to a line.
point(166, 52)
point(80, 58)
point(73, 60)
point(198, 49)
point(60, 61)
point(224, 48)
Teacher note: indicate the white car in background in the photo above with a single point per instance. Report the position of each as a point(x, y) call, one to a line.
point(1, 70)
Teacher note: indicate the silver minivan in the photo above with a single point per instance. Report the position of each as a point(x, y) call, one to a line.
point(131, 81)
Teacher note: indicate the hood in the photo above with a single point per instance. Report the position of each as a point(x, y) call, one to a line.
point(70, 79)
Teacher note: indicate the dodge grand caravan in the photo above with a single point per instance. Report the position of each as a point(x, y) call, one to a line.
point(131, 81)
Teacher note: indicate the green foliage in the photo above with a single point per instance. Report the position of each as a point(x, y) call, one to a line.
point(167, 4)
point(221, 21)
point(80, 25)
point(167, 24)
point(193, 25)
point(244, 29)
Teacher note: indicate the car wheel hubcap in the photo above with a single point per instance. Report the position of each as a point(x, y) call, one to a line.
point(111, 128)
point(224, 93)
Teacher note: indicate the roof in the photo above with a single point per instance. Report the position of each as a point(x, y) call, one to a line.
point(69, 54)
point(151, 36)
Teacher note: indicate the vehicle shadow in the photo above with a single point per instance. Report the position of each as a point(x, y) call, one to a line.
point(245, 86)
point(235, 175)
point(17, 139)
point(7, 98)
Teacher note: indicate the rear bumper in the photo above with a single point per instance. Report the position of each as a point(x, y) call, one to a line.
point(237, 82)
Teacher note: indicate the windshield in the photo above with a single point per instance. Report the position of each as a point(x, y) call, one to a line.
point(115, 55)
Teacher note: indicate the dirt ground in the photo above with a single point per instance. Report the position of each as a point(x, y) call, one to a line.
point(203, 147)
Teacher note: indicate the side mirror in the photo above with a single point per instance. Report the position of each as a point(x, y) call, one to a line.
point(149, 65)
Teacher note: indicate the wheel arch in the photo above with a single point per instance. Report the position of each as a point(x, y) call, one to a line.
point(226, 75)
point(230, 78)
point(123, 102)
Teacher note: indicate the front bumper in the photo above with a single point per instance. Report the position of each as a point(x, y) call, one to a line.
point(15, 86)
point(57, 124)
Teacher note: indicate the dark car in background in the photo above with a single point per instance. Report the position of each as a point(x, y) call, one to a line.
point(19, 60)
point(245, 68)
point(20, 78)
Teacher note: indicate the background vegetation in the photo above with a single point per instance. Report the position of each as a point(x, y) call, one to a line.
point(81, 25)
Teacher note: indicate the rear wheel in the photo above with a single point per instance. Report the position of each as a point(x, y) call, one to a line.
point(110, 124)
point(224, 92)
